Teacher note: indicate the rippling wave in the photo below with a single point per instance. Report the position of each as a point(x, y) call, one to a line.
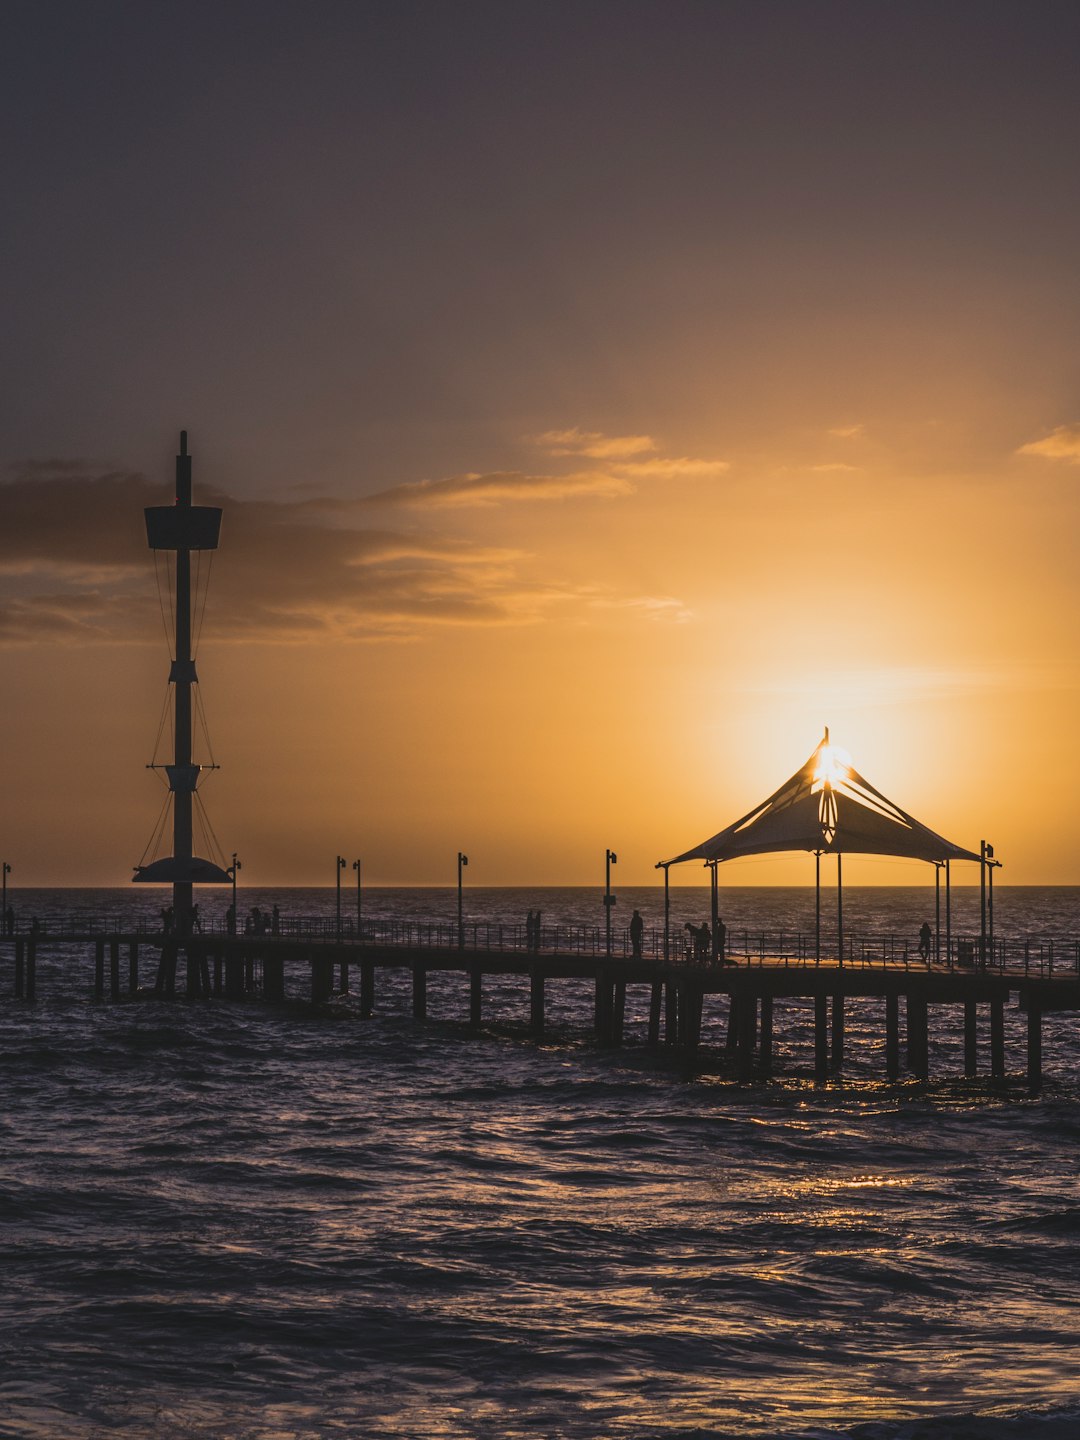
point(242, 1221)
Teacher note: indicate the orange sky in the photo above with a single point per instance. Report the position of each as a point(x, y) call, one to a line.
point(582, 457)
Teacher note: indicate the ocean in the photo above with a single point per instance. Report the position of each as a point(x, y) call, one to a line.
point(227, 1219)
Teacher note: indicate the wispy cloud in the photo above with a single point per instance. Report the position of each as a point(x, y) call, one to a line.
point(465, 491)
point(74, 566)
point(618, 462)
point(836, 467)
point(1063, 443)
point(593, 444)
point(676, 468)
point(848, 432)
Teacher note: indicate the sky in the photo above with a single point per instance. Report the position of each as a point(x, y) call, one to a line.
point(603, 398)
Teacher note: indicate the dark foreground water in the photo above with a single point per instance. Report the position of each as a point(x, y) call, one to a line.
point(220, 1220)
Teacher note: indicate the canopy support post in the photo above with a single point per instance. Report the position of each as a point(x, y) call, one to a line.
point(990, 906)
point(840, 904)
point(982, 904)
point(667, 913)
point(817, 907)
point(948, 915)
point(937, 912)
point(715, 906)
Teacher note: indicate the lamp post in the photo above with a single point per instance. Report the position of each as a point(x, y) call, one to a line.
point(231, 872)
point(359, 932)
point(462, 861)
point(5, 928)
point(339, 866)
point(610, 858)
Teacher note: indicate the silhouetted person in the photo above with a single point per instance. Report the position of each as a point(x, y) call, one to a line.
point(704, 936)
point(637, 931)
point(529, 931)
point(536, 931)
point(275, 921)
point(256, 920)
point(926, 940)
point(196, 920)
point(721, 941)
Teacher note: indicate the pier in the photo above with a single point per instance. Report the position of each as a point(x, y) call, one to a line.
point(745, 992)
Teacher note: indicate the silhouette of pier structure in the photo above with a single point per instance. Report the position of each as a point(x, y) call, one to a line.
point(826, 809)
point(746, 994)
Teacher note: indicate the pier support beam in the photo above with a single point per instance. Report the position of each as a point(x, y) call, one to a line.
point(618, 1011)
point(918, 1039)
point(1034, 1042)
point(133, 968)
point(114, 969)
point(218, 969)
point(892, 1035)
point(536, 1003)
point(765, 1054)
point(656, 1000)
point(821, 1038)
point(274, 977)
point(971, 1021)
point(322, 977)
point(20, 969)
point(747, 1029)
point(99, 969)
point(31, 969)
point(731, 1043)
point(419, 991)
point(367, 989)
point(997, 1038)
point(837, 1033)
point(345, 974)
point(234, 974)
point(691, 1003)
point(671, 1013)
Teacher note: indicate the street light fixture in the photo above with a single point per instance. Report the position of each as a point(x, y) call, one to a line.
point(341, 863)
point(359, 931)
point(610, 858)
point(462, 861)
point(231, 872)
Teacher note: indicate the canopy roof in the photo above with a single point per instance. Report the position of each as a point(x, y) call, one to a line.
point(827, 806)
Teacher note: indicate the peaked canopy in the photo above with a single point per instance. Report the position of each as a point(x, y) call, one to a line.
point(827, 806)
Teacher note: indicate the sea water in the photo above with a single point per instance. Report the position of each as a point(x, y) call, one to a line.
point(233, 1220)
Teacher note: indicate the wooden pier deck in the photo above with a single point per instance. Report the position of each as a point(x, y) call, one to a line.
point(240, 967)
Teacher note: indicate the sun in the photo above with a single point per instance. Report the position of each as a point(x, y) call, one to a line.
point(833, 765)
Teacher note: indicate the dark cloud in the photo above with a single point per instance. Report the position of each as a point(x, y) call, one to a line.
point(74, 565)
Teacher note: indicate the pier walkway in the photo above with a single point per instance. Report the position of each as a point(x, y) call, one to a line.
point(760, 971)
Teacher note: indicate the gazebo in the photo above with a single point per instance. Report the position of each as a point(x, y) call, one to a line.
point(828, 808)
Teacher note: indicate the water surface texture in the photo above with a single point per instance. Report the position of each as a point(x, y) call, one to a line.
point(234, 1220)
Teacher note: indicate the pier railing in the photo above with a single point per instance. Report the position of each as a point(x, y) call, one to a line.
point(1039, 955)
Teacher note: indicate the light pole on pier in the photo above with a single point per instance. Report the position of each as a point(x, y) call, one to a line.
point(359, 912)
point(341, 863)
point(5, 927)
point(610, 858)
point(462, 861)
point(231, 872)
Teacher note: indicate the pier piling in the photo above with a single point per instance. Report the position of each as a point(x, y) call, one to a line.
point(367, 989)
point(892, 1035)
point(971, 1020)
point(20, 970)
point(419, 990)
point(997, 1038)
point(821, 1038)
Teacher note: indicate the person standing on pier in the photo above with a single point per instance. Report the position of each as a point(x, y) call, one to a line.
point(926, 937)
point(637, 931)
point(721, 942)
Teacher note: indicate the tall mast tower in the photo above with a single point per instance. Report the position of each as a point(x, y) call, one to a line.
point(182, 528)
